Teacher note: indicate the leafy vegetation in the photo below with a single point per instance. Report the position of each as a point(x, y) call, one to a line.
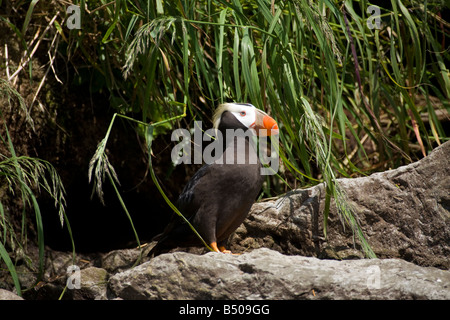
point(350, 98)
point(25, 176)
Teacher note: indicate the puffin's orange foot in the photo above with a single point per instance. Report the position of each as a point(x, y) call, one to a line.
point(213, 245)
point(221, 249)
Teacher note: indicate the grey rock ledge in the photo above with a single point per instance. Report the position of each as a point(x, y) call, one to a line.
point(267, 274)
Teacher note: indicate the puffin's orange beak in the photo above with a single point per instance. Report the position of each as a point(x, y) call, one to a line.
point(265, 125)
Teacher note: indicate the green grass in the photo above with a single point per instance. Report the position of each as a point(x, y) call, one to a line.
point(24, 178)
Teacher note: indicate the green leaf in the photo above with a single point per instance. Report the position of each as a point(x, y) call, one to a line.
point(12, 270)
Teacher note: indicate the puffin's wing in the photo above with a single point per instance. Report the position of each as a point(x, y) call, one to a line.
point(187, 203)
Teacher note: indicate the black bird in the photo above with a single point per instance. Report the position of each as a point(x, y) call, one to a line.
point(218, 197)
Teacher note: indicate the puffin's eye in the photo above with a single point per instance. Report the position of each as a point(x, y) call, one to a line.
point(242, 113)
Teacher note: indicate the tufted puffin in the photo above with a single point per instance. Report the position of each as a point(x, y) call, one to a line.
point(218, 197)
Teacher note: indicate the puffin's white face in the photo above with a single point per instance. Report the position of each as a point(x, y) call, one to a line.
point(254, 119)
point(245, 113)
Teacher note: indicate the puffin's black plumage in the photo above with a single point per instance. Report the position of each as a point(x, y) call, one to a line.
point(218, 197)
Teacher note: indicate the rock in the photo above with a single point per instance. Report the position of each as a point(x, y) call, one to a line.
point(53, 283)
point(404, 213)
point(8, 295)
point(93, 284)
point(267, 274)
point(119, 260)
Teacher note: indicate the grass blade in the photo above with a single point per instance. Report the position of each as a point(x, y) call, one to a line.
point(149, 139)
point(12, 270)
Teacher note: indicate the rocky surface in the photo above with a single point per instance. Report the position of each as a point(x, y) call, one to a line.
point(404, 214)
point(267, 274)
point(8, 295)
point(260, 274)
